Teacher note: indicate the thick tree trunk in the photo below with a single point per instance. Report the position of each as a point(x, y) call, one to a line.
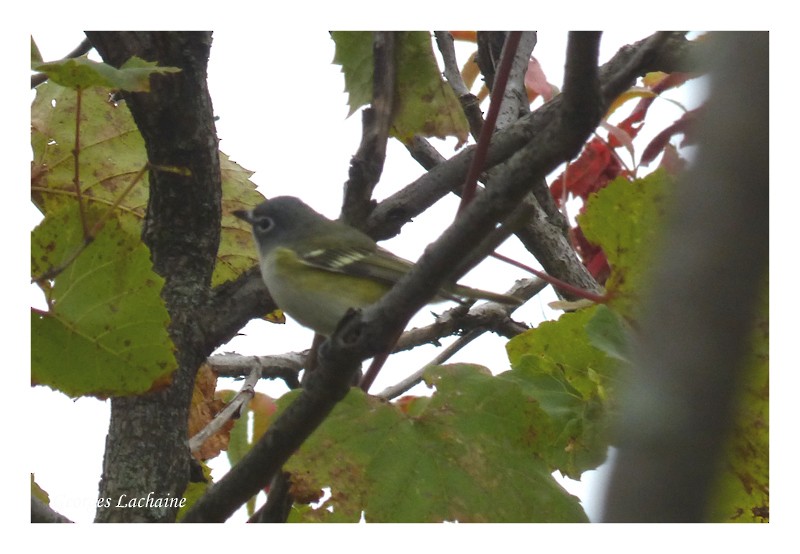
point(146, 448)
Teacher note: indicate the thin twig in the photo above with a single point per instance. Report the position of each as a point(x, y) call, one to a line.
point(232, 409)
point(416, 377)
point(281, 366)
point(556, 282)
point(487, 316)
point(469, 102)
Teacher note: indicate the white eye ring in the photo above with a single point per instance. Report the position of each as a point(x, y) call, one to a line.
point(263, 224)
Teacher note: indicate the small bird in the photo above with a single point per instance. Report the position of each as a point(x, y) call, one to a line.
point(317, 269)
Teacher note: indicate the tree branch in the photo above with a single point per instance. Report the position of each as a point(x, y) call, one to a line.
point(231, 410)
point(698, 314)
point(231, 305)
point(469, 102)
point(478, 163)
point(181, 229)
point(616, 76)
point(367, 164)
point(515, 97)
point(278, 366)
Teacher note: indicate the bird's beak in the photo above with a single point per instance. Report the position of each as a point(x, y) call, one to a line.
point(244, 215)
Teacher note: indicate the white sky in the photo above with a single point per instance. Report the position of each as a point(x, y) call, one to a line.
point(261, 132)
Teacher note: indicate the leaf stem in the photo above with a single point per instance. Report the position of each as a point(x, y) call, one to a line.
point(76, 157)
point(555, 281)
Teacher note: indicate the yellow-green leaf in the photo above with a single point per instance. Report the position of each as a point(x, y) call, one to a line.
point(83, 73)
point(105, 332)
point(471, 453)
point(424, 103)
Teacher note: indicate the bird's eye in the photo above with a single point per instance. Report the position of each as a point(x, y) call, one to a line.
point(263, 224)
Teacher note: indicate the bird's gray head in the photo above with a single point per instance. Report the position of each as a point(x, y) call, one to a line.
point(281, 218)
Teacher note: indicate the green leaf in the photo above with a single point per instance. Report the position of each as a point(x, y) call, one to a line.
point(83, 73)
point(424, 103)
point(112, 151)
point(36, 56)
point(624, 218)
point(470, 454)
point(354, 54)
point(742, 491)
point(607, 332)
point(105, 333)
point(112, 154)
point(237, 252)
point(573, 383)
point(427, 105)
point(194, 490)
point(38, 491)
point(261, 409)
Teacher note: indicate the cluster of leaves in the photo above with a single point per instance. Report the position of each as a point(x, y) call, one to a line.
point(600, 163)
point(103, 303)
point(103, 298)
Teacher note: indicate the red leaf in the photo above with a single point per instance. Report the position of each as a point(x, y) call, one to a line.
point(640, 111)
point(672, 80)
point(681, 126)
point(536, 83)
point(593, 169)
point(592, 255)
point(629, 124)
point(671, 160)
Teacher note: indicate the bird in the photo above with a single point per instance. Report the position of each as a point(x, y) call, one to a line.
point(317, 269)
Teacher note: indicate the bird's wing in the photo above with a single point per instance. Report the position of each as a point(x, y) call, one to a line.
point(375, 263)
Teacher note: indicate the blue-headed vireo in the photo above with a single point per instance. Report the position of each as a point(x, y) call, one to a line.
point(317, 269)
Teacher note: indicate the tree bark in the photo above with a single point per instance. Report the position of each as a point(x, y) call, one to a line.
point(146, 446)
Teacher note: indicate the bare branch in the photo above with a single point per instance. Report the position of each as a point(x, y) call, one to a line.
point(616, 76)
point(515, 97)
point(469, 102)
point(367, 164)
point(231, 410)
point(415, 378)
point(279, 366)
point(478, 162)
